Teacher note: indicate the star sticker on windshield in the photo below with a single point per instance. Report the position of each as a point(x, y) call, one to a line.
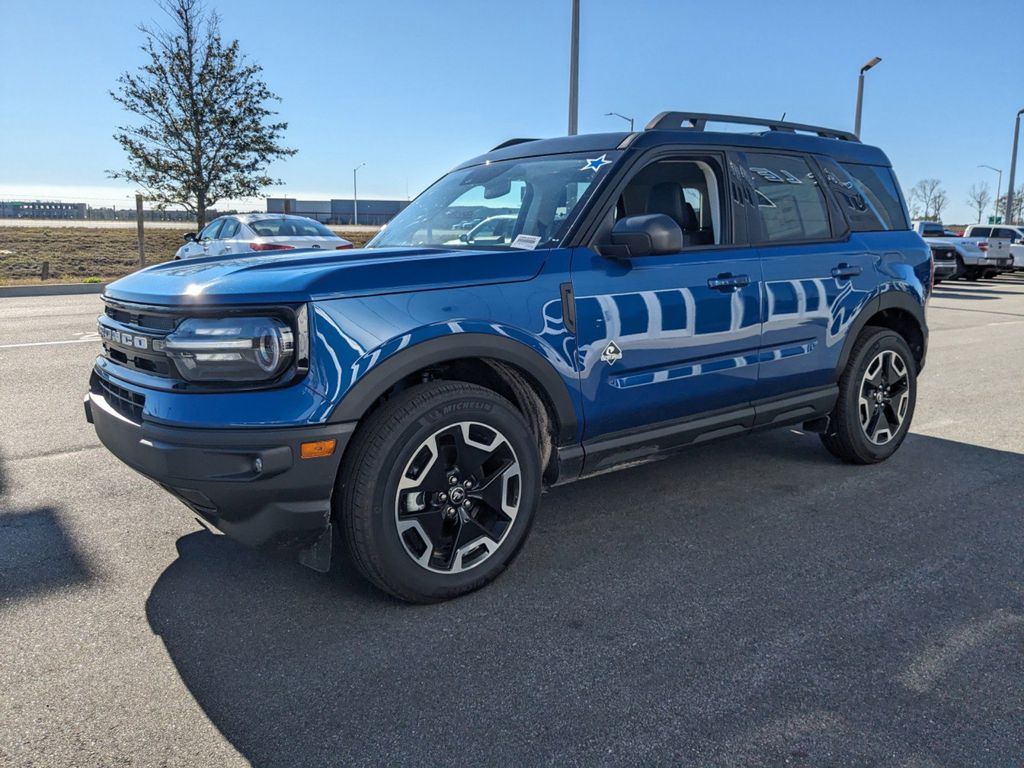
point(597, 163)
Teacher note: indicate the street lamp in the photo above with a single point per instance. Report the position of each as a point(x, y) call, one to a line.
point(1013, 169)
point(355, 195)
point(574, 69)
point(860, 93)
point(616, 114)
point(999, 185)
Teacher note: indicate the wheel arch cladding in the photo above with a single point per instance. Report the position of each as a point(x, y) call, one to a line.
point(899, 311)
point(515, 363)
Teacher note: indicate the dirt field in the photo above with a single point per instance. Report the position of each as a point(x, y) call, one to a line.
point(88, 254)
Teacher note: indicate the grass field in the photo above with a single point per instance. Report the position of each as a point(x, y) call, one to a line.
point(87, 254)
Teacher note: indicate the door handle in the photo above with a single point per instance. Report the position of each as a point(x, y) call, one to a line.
point(843, 271)
point(728, 281)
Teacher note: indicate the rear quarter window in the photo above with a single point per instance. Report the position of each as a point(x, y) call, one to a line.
point(861, 211)
point(878, 185)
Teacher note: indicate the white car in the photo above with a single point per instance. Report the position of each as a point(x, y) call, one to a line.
point(245, 233)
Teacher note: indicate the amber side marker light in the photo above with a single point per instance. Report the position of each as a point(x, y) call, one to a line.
point(318, 449)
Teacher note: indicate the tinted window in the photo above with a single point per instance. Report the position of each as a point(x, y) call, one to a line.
point(790, 202)
point(878, 185)
point(862, 212)
point(230, 229)
point(289, 227)
point(981, 231)
point(211, 230)
point(1009, 234)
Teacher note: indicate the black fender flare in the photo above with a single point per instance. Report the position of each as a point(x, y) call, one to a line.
point(889, 300)
point(358, 399)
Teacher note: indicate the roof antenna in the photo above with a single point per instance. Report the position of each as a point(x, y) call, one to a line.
point(783, 118)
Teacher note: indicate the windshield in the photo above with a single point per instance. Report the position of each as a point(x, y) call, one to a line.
point(524, 203)
point(289, 228)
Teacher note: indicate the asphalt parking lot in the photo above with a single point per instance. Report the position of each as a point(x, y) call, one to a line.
point(751, 602)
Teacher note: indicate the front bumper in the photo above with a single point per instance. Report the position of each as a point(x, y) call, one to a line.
point(945, 269)
point(250, 484)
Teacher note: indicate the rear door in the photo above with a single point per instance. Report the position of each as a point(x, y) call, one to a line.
point(817, 274)
point(227, 239)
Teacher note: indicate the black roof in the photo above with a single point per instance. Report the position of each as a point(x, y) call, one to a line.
point(681, 128)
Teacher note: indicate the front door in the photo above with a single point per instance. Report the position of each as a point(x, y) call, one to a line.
point(664, 338)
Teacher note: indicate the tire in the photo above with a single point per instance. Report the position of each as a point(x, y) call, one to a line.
point(972, 274)
point(406, 530)
point(847, 435)
point(961, 268)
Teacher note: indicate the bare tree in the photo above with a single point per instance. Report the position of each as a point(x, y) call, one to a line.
point(978, 197)
point(1018, 207)
point(927, 199)
point(206, 132)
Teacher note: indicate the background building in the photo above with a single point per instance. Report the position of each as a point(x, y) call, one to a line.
point(371, 212)
point(42, 210)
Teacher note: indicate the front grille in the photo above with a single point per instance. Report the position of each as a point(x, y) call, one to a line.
point(129, 404)
point(132, 325)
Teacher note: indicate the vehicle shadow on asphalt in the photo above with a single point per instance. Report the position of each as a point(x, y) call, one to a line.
point(36, 554)
point(753, 602)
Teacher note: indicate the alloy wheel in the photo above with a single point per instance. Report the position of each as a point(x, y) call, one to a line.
point(884, 397)
point(458, 497)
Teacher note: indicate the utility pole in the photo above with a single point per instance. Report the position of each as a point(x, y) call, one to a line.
point(574, 69)
point(999, 186)
point(355, 195)
point(1013, 169)
point(138, 224)
point(860, 93)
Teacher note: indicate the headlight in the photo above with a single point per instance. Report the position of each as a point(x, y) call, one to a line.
point(235, 349)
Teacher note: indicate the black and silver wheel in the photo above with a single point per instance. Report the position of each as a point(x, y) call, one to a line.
point(877, 394)
point(438, 490)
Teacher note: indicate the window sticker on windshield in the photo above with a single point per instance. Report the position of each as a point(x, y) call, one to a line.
point(596, 164)
point(526, 242)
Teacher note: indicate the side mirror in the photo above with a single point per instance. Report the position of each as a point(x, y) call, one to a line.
point(464, 237)
point(654, 234)
point(189, 237)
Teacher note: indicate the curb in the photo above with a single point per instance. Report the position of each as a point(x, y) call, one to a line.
point(57, 289)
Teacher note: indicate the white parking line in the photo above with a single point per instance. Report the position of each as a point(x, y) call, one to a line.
point(47, 343)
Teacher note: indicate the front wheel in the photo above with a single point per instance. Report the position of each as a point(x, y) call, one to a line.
point(438, 490)
point(877, 395)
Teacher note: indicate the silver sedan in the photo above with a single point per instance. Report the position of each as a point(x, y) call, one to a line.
point(245, 233)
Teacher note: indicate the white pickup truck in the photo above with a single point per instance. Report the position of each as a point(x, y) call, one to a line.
point(1013, 232)
point(975, 257)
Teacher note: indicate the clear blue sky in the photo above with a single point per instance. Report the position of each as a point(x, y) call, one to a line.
point(412, 88)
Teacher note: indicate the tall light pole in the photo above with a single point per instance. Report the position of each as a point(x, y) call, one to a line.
point(999, 185)
point(860, 93)
point(574, 69)
point(616, 114)
point(355, 195)
point(1013, 168)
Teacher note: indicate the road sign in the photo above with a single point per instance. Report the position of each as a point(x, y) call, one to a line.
point(995, 219)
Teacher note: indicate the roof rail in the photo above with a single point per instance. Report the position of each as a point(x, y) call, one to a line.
point(697, 121)
point(511, 143)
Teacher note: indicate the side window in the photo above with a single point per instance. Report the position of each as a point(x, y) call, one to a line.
point(790, 203)
point(878, 183)
point(229, 230)
point(211, 230)
point(1001, 232)
point(981, 232)
point(862, 211)
point(688, 191)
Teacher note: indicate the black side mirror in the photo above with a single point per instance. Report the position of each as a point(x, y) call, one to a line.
point(189, 237)
point(654, 234)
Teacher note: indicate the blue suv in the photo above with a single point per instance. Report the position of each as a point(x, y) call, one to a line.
point(617, 297)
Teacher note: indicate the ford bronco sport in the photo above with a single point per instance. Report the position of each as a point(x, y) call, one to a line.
point(411, 400)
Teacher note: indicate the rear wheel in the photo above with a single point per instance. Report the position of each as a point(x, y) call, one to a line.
point(439, 490)
point(877, 394)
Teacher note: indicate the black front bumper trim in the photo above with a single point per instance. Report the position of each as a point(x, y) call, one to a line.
point(248, 483)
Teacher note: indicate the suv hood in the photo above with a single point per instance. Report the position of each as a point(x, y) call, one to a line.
point(299, 276)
